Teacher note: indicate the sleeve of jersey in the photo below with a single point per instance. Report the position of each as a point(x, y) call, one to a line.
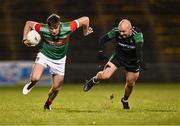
point(37, 27)
point(112, 34)
point(139, 45)
point(139, 38)
point(103, 40)
point(74, 25)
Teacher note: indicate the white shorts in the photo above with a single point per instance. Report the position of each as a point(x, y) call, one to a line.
point(55, 66)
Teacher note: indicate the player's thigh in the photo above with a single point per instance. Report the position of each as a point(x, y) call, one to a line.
point(58, 67)
point(131, 77)
point(37, 71)
point(109, 69)
point(57, 81)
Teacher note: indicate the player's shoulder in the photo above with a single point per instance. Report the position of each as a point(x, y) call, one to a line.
point(44, 27)
point(137, 34)
point(115, 29)
point(113, 32)
point(136, 30)
point(64, 24)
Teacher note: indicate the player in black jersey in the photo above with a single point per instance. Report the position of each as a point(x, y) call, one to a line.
point(128, 54)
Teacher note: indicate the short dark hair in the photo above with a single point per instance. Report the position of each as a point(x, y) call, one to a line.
point(53, 20)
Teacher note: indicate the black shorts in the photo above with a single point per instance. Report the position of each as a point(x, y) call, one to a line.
point(129, 65)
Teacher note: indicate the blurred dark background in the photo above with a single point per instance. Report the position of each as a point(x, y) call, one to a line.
point(158, 19)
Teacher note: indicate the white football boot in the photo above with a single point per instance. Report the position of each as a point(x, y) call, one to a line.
point(26, 90)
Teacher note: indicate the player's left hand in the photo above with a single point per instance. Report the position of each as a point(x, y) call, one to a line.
point(89, 31)
point(27, 43)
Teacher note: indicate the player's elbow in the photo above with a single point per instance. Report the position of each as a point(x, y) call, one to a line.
point(28, 23)
point(84, 21)
point(85, 18)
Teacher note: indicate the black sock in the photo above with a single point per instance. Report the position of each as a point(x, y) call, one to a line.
point(126, 98)
point(30, 86)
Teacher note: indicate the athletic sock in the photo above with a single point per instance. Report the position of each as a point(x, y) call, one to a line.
point(125, 98)
point(48, 102)
point(30, 85)
point(94, 80)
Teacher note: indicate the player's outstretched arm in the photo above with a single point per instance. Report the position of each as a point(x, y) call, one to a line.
point(28, 26)
point(84, 23)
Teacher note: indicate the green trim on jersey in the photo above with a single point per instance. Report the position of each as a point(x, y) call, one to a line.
point(126, 47)
point(139, 38)
point(55, 52)
point(112, 34)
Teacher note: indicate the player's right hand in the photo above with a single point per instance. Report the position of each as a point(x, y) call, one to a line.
point(89, 31)
point(27, 43)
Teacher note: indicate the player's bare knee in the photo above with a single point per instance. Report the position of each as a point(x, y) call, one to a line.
point(57, 87)
point(130, 82)
point(35, 78)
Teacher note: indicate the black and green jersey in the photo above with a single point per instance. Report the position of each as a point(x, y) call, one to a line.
point(126, 47)
point(55, 47)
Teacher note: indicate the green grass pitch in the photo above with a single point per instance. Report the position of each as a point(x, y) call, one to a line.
point(150, 104)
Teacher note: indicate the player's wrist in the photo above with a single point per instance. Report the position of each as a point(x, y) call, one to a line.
point(27, 43)
point(88, 31)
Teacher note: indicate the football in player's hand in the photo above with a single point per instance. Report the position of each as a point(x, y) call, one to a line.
point(33, 37)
